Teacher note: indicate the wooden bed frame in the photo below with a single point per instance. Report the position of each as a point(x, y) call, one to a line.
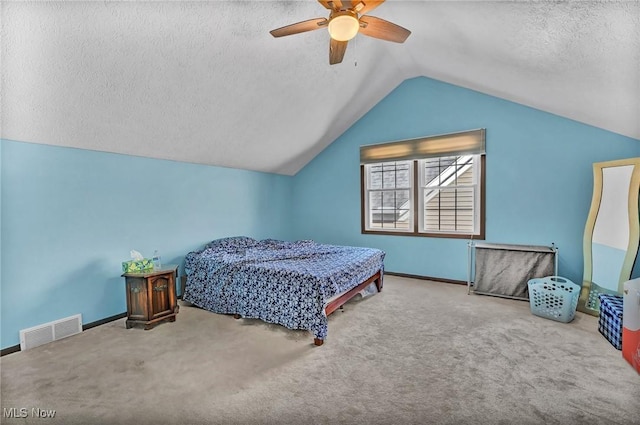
point(339, 302)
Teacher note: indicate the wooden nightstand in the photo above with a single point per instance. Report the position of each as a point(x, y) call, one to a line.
point(151, 296)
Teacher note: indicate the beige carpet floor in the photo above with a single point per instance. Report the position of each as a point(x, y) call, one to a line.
point(418, 353)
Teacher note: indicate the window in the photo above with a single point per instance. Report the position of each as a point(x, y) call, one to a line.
point(390, 196)
point(448, 192)
point(425, 187)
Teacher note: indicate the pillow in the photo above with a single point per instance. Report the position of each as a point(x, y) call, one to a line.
point(305, 242)
point(278, 244)
point(272, 244)
point(232, 243)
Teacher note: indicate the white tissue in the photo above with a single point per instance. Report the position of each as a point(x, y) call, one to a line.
point(135, 255)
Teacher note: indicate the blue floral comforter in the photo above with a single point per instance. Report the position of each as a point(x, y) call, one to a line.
point(288, 283)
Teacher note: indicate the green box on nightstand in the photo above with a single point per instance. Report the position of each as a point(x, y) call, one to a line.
point(135, 266)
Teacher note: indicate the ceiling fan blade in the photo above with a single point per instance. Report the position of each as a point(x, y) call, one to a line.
point(385, 30)
point(304, 26)
point(336, 51)
point(348, 4)
point(367, 6)
point(331, 4)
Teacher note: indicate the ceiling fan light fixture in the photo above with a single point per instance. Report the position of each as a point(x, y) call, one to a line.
point(343, 26)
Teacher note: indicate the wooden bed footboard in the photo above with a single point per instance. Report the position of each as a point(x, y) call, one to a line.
point(338, 302)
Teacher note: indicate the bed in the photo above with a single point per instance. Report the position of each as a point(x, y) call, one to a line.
point(294, 284)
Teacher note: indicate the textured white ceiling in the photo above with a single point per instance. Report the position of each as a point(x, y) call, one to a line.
point(205, 82)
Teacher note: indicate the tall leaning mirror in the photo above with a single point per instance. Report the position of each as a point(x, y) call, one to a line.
point(612, 231)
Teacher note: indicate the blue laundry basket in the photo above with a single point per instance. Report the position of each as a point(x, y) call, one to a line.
point(554, 297)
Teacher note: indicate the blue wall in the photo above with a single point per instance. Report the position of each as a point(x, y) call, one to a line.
point(71, 216)
point(539, 178)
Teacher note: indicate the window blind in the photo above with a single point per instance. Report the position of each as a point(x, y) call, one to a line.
point(470, 142)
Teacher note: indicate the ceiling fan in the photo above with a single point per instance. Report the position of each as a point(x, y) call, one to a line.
point(346, 19)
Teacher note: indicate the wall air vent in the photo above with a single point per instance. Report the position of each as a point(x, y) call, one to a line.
point(48, 332)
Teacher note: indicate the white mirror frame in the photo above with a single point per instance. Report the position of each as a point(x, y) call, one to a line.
point(612, 230)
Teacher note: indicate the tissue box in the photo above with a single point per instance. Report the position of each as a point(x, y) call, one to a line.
point(137, 266)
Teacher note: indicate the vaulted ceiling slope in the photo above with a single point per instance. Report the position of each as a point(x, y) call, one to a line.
point(205, 82)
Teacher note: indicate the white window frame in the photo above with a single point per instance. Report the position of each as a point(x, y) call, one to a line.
point(368, 190)
point(477, 198)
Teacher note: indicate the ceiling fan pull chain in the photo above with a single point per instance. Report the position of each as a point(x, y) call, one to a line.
point(355, 53)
